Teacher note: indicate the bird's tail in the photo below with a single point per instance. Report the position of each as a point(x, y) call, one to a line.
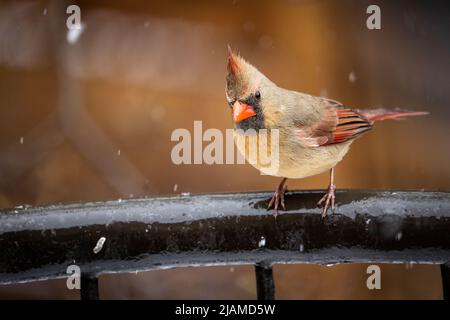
point(384, 114)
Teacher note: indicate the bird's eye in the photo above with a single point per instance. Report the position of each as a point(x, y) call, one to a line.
point(258, 95)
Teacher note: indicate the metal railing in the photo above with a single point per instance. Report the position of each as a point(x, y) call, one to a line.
point(224, 229)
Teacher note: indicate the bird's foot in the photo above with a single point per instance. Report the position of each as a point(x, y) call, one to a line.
point(328, 198)
point(277, 200)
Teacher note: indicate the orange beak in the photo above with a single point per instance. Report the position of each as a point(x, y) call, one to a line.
point(242, 111)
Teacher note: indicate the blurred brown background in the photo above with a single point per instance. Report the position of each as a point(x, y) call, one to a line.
point(88, 116)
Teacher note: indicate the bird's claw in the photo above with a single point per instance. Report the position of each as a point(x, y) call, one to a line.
point(328, 198)
point(277, 200)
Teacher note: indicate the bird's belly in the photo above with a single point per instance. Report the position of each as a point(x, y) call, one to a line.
point(305, 162)
point(292, 160)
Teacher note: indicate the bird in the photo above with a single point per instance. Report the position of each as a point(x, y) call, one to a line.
point(314, 133)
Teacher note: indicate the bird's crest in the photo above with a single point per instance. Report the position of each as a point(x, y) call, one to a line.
point(235, 62)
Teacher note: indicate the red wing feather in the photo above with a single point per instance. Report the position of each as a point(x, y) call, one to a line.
point(350, 124)
point(337, 125)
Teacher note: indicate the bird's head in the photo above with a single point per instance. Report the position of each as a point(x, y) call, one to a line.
point(245, 92)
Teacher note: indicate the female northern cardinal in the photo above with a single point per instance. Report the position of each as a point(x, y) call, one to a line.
point(314, 132)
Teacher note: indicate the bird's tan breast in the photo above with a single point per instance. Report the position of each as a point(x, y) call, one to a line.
point(289, 159)
point(301, 162)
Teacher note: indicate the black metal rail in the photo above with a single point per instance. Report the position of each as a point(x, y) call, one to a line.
point(223, 229)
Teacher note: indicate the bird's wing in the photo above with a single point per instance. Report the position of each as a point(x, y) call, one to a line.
point(336, 124)
point(350, 125)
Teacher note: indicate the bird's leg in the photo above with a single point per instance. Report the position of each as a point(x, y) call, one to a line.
point(329, 197)
point(278, 198)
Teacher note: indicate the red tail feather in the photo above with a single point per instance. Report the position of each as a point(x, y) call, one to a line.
point(384, 114)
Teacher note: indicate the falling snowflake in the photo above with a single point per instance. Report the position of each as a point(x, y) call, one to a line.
point(74, 34)
point(352, 77)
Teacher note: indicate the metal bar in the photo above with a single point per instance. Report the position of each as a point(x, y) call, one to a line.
point(223, 229)
point(89, 287)
point(265, 288)
point(445, 273)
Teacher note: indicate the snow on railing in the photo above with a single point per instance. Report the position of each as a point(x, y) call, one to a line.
point(223, 229)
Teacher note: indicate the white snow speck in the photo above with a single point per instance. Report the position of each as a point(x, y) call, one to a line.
point(262, 242)
point(99, 246)
point(118, 152)
point(185, 194)
point(323, 93)
point(21, 140)
point(74, 34)
point(302, 248)
point(157, 113)
point(352, 77)
point(265, 42)
point(44, 12)
point(399, 236)
point(175, 188)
